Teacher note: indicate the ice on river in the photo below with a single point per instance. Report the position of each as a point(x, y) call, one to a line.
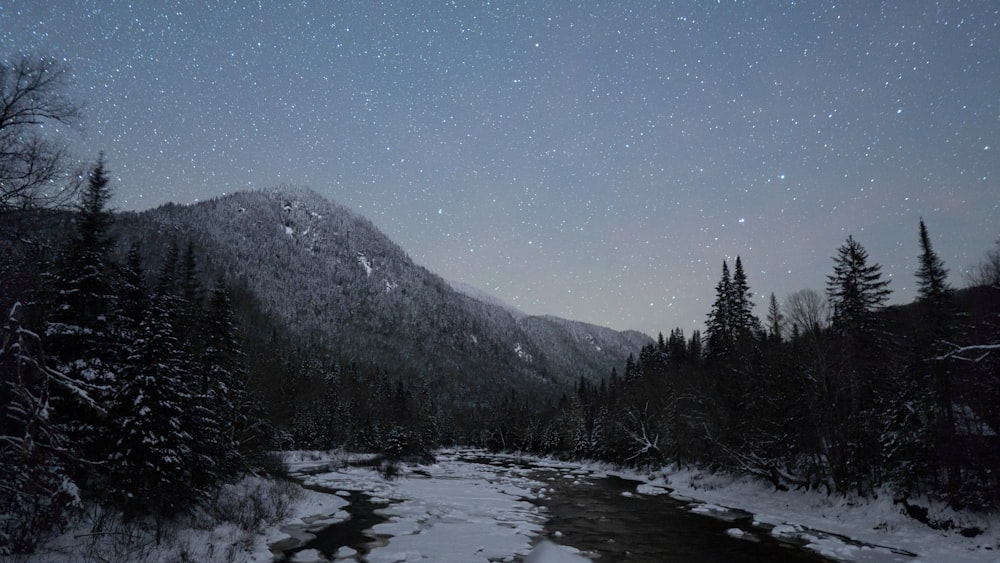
point(450, 511)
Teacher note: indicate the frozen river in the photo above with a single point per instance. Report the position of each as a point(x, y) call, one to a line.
point(470, 506)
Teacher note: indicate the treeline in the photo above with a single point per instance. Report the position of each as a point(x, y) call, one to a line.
point(121, 386)
point(840, 394)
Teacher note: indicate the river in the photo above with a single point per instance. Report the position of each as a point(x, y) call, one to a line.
point(429, 513)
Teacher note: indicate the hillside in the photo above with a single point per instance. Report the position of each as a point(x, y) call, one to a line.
point(334, 280)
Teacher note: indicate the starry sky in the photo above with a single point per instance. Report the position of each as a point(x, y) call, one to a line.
point(593, 160)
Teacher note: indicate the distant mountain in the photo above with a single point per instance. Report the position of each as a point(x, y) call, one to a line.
point(335, 280)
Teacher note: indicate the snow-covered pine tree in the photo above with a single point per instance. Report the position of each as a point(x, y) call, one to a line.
point(176, 287)
point(80, 298)
point(241, 432)
point(133, 296)
point(153, 456)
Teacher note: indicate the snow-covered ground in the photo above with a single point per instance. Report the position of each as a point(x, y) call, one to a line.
point(871, 521)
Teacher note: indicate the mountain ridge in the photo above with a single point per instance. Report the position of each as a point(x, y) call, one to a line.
point(339, 282)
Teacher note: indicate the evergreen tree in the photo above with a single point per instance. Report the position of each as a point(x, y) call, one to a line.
point(223, 376)
point(633, 371)
point(695, 351)
point(731, 323)
point(153, 457)
point(81, 329)
point(775, 320)
point(718, 328)
point(854, 404)
point(932, 277)
point(188, 293)
point(83, 303)
point(856, 291)
point(677, 347)
point(933, 388)
point(133, 297)
point(743, 322)
point(166, 284)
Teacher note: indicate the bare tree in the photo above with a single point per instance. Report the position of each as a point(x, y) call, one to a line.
point(35, 170)
point(987, 271)
point(807, 309)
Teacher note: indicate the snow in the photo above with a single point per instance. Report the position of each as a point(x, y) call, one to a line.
point(548, 552)
point(845, 523)
point(522, 353)
point(736, 533)
point(452, 510)
point(460, 509)
point(365, 264)
point(651, 490)
point(308, 556)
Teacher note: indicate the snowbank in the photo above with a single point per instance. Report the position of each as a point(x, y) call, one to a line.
point(877, 522)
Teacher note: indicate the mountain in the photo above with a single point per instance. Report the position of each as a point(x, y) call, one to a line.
point(485, 297)
point(336, 281)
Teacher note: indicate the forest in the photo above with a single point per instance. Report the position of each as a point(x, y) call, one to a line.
point(143, 386)
point(837, 393)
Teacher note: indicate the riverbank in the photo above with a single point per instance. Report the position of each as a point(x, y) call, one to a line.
point(877, 522)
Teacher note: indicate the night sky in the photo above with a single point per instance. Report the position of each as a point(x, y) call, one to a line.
point(592, 160)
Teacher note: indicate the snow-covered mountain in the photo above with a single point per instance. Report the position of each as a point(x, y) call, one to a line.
point(334, 279)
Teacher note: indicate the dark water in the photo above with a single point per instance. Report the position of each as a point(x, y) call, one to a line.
point(594, 517)
point(355, 532)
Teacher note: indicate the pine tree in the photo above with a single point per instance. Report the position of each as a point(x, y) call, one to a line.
point(633, 371)
point(775, 320)
point(677, 351)
point(153, 457)
point(695, 351)
point(188, 293)
point(932, 277)
point(133, 297)
point(243, 432)
point(718, 328)
point(221, 386)
point(744, 323)
point(855, 421)
point(933, 390)
point(856, 290)
point(83, 285)
point(80, 329)
point(731, 323)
